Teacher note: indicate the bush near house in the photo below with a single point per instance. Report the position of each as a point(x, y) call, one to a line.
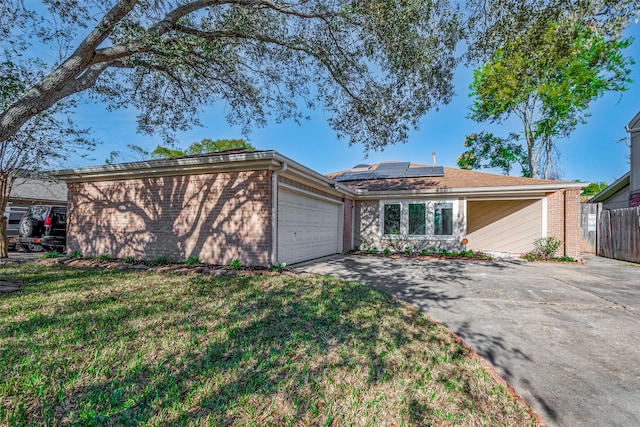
point(91, 347)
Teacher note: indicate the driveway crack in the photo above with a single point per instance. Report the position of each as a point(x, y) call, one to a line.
point(590, 293)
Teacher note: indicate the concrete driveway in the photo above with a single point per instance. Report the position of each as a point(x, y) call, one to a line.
point(565, 337)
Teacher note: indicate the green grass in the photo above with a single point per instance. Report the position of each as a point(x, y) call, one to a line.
point(95, 347)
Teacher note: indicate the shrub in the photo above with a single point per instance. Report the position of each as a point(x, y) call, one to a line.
point(280, 267)
point(425, 252)
point(546, 247)
point(235, 265)
point(103, 257)
point(386, 251)
point(76, 255)
point(192, 260)
point(52, 254)
point(128, 260)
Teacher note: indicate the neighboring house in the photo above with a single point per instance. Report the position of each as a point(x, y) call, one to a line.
point(616, 195)
point(28, 191)
point(625, 191)
point(263, 208)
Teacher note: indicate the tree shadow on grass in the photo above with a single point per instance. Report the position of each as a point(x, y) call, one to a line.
point(271, 343)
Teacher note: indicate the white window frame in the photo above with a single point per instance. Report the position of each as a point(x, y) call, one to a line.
point(429, 217)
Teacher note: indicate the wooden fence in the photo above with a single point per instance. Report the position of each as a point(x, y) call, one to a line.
point(619, 234)
point(589, 213)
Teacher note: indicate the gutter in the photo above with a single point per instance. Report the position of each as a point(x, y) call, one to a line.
point(519, 189)
point(274, 212)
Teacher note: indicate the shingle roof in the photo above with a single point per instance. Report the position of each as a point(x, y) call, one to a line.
point(453, 178)
point(39, 190)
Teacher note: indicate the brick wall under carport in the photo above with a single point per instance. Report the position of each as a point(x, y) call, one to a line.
point(216, 217)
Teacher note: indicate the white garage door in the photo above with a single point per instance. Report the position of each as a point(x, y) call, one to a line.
point(307, 227)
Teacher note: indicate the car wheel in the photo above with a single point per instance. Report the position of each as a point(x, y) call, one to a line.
point(34, 247)
point(25, 228)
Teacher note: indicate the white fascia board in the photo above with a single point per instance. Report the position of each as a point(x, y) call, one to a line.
point(262, 160)
point(315, 179)
point(519, 190)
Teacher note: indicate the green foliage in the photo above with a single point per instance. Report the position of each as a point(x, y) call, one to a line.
point(210, 146)
point(53, 254)
point(76, 255)
point(279, 268)
point(202, 147)
point(235, 265)
point(163, 260)
point(547, 77)
point(386, 251)
point(488, 151)
point(593, 188)
point(103, 257)
point(162, 152)
point(372, 251)
point(546, 247)
point(425, 252)
point(128, 260)
point(192, 260)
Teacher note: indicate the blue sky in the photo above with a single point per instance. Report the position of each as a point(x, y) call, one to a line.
point(591, 154)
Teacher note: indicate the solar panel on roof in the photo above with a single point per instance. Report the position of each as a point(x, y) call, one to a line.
point(428, 171)
point(354, 176)
point(391, 170)
point(392, 166)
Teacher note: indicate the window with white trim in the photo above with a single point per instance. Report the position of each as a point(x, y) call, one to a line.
point(418, 218)
point(392, 220)
point(443, 219)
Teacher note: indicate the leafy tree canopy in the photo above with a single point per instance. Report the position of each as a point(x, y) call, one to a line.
point(205, 146)
point(488, 151)
point(374, 67)
point(547, 78)
point(170, 152)
point(593, 188)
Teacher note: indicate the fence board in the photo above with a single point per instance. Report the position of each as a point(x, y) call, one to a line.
point(619, 234)
point(588, 216)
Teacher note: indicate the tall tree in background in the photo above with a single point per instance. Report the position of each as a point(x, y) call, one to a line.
point(205, 146)
point(547, 78)
point(484, 150)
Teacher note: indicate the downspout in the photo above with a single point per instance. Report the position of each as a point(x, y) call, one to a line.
point(274, 212)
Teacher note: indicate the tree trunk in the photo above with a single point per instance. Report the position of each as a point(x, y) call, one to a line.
point(5, 188)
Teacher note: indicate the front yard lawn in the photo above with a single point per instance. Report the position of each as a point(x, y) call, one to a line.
point(107, 347)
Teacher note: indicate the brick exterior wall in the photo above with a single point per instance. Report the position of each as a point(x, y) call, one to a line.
point(563, 220)
point(634, 200)
point(348, 222)
point(217, 217)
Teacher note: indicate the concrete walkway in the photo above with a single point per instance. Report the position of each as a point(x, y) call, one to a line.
point(566, 337)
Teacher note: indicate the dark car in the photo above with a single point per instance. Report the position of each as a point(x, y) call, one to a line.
point(43, 228)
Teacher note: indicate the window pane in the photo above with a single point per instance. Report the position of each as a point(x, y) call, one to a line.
point(443, 219)
point(417, 219)
point(392, 219)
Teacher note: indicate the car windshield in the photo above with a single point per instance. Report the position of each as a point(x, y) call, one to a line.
point(37, 212)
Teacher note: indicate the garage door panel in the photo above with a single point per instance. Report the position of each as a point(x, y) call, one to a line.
point(307, 227)
point(504, 225)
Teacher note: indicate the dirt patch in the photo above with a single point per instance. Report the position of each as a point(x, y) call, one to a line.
point(7, 286)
